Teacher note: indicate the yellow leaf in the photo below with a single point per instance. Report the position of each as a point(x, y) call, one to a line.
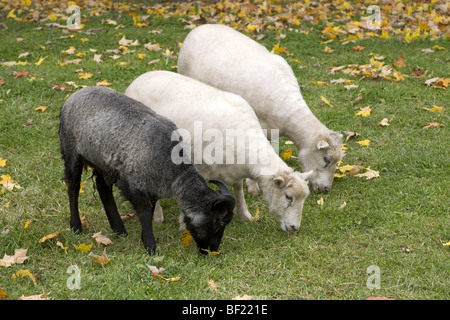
point(19, 257)
point(38, 63)
point(85, 75)
point(327, 50)
point(431, 124)
point(49, 236)
point(256, 217)
point(436, 47)
point(3, 293)
point(434, 109)
point(287, 153)
point(23, 273)
point(326, 101)
point(364, 143)
point(213, 253)
point(103, 260)
point(364, 111)
point(446, 244)
point(103, 83)
point(2, 162)
point(384, 122)
point(212, 284)
point(83, 247)
point(81, 187)
point(186, 238)
point(26, 224)
point(141, 55)
point(42, 108)
point(320, 201)
point(320, 83)
point(84, 39)
point(339, 175)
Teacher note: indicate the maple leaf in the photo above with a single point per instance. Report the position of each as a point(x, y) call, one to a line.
point(83, 247)
point(153, 47)
point(186, 238)
point(417, 72)
point(71, 50)
point(364, 111)
point(49, 236)
point(326, 101)
point(256, 217)
point(126, 42)
point(384, 122)
point(2, 162)
point(97, 58)
point(102, 239)
point(22, 74)
point(358, 48)
point(103, 259)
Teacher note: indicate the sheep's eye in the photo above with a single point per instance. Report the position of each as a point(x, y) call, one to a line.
point(327, 161)
point(289, 197)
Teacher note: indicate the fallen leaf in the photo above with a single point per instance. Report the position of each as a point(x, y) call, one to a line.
point(19, 257)
point(320, 83)
point(364, 111)
point(417, 73)
point(364, 143)
point(327, 50)
point(97, 58)
point(213, 253)
point(342, 206)
point(25, 54)
point(399, 62)
point(341, 80)
point(35, 297)
point(446, 244)
point(26, 224)
point(3, 294)
point(351, 86)
point(22, 74)
point(103, 83)
point(369, 174)
point(429, 82)
point(433, 109)
point(155, 269)
point(212, 284)
point(244, 297)
point(125, 42)
point(41, 108)
point(102, 239)
point(384, 122)
point(141, 55)
point(59, 244)
point(186, 238)
point(85, 75)
point(38, 63)
point(60, 87)
point(320, 201)
point(379, 298)
point(433, 124)
point(49, 236)
point(23, 273)
point(83, 247)
point(153, 47)
point(256, 217)
point(2, 82)
point(2, 162)
point(287, 153)
point(350, 134)
point(326, 101)
point(103, 259)
point(427, 50)
point(358, 48)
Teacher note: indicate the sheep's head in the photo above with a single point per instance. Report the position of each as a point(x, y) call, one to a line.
point(207, 227)
point(321, 156)
point(286, 197)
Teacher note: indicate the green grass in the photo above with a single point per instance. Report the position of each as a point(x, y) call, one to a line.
point(397, 222)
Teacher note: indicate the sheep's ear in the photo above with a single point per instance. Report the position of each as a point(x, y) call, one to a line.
point(322, 144)
point(306, 175)
point(279, 181)
point(224, 201)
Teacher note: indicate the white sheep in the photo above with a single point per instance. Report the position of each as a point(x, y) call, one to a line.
point(226, 59)
point(214, 123)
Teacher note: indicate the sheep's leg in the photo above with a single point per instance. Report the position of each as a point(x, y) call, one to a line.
point(109, 204)
point(72, 176)
point(241, 205)
point(145, 214)
point(252, 187)
point(158, 215)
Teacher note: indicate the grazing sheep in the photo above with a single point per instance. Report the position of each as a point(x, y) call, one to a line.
point(130, 146)
point(226, 141)
point(226, 59)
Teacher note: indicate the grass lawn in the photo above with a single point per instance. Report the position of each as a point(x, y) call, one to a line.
point(398, 221)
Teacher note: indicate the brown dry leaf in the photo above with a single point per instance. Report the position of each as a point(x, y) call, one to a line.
point(417, 73)
point(3, 293)
point(369, 174)
point(125, 42)
point(35, 297)
point(384, 122)
point(19, 257)
point(102, 239)
point(364, 111)
point(156, 270)
point(351, 134)
point(399, 62)
point(103, 259)
point(244, 297)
